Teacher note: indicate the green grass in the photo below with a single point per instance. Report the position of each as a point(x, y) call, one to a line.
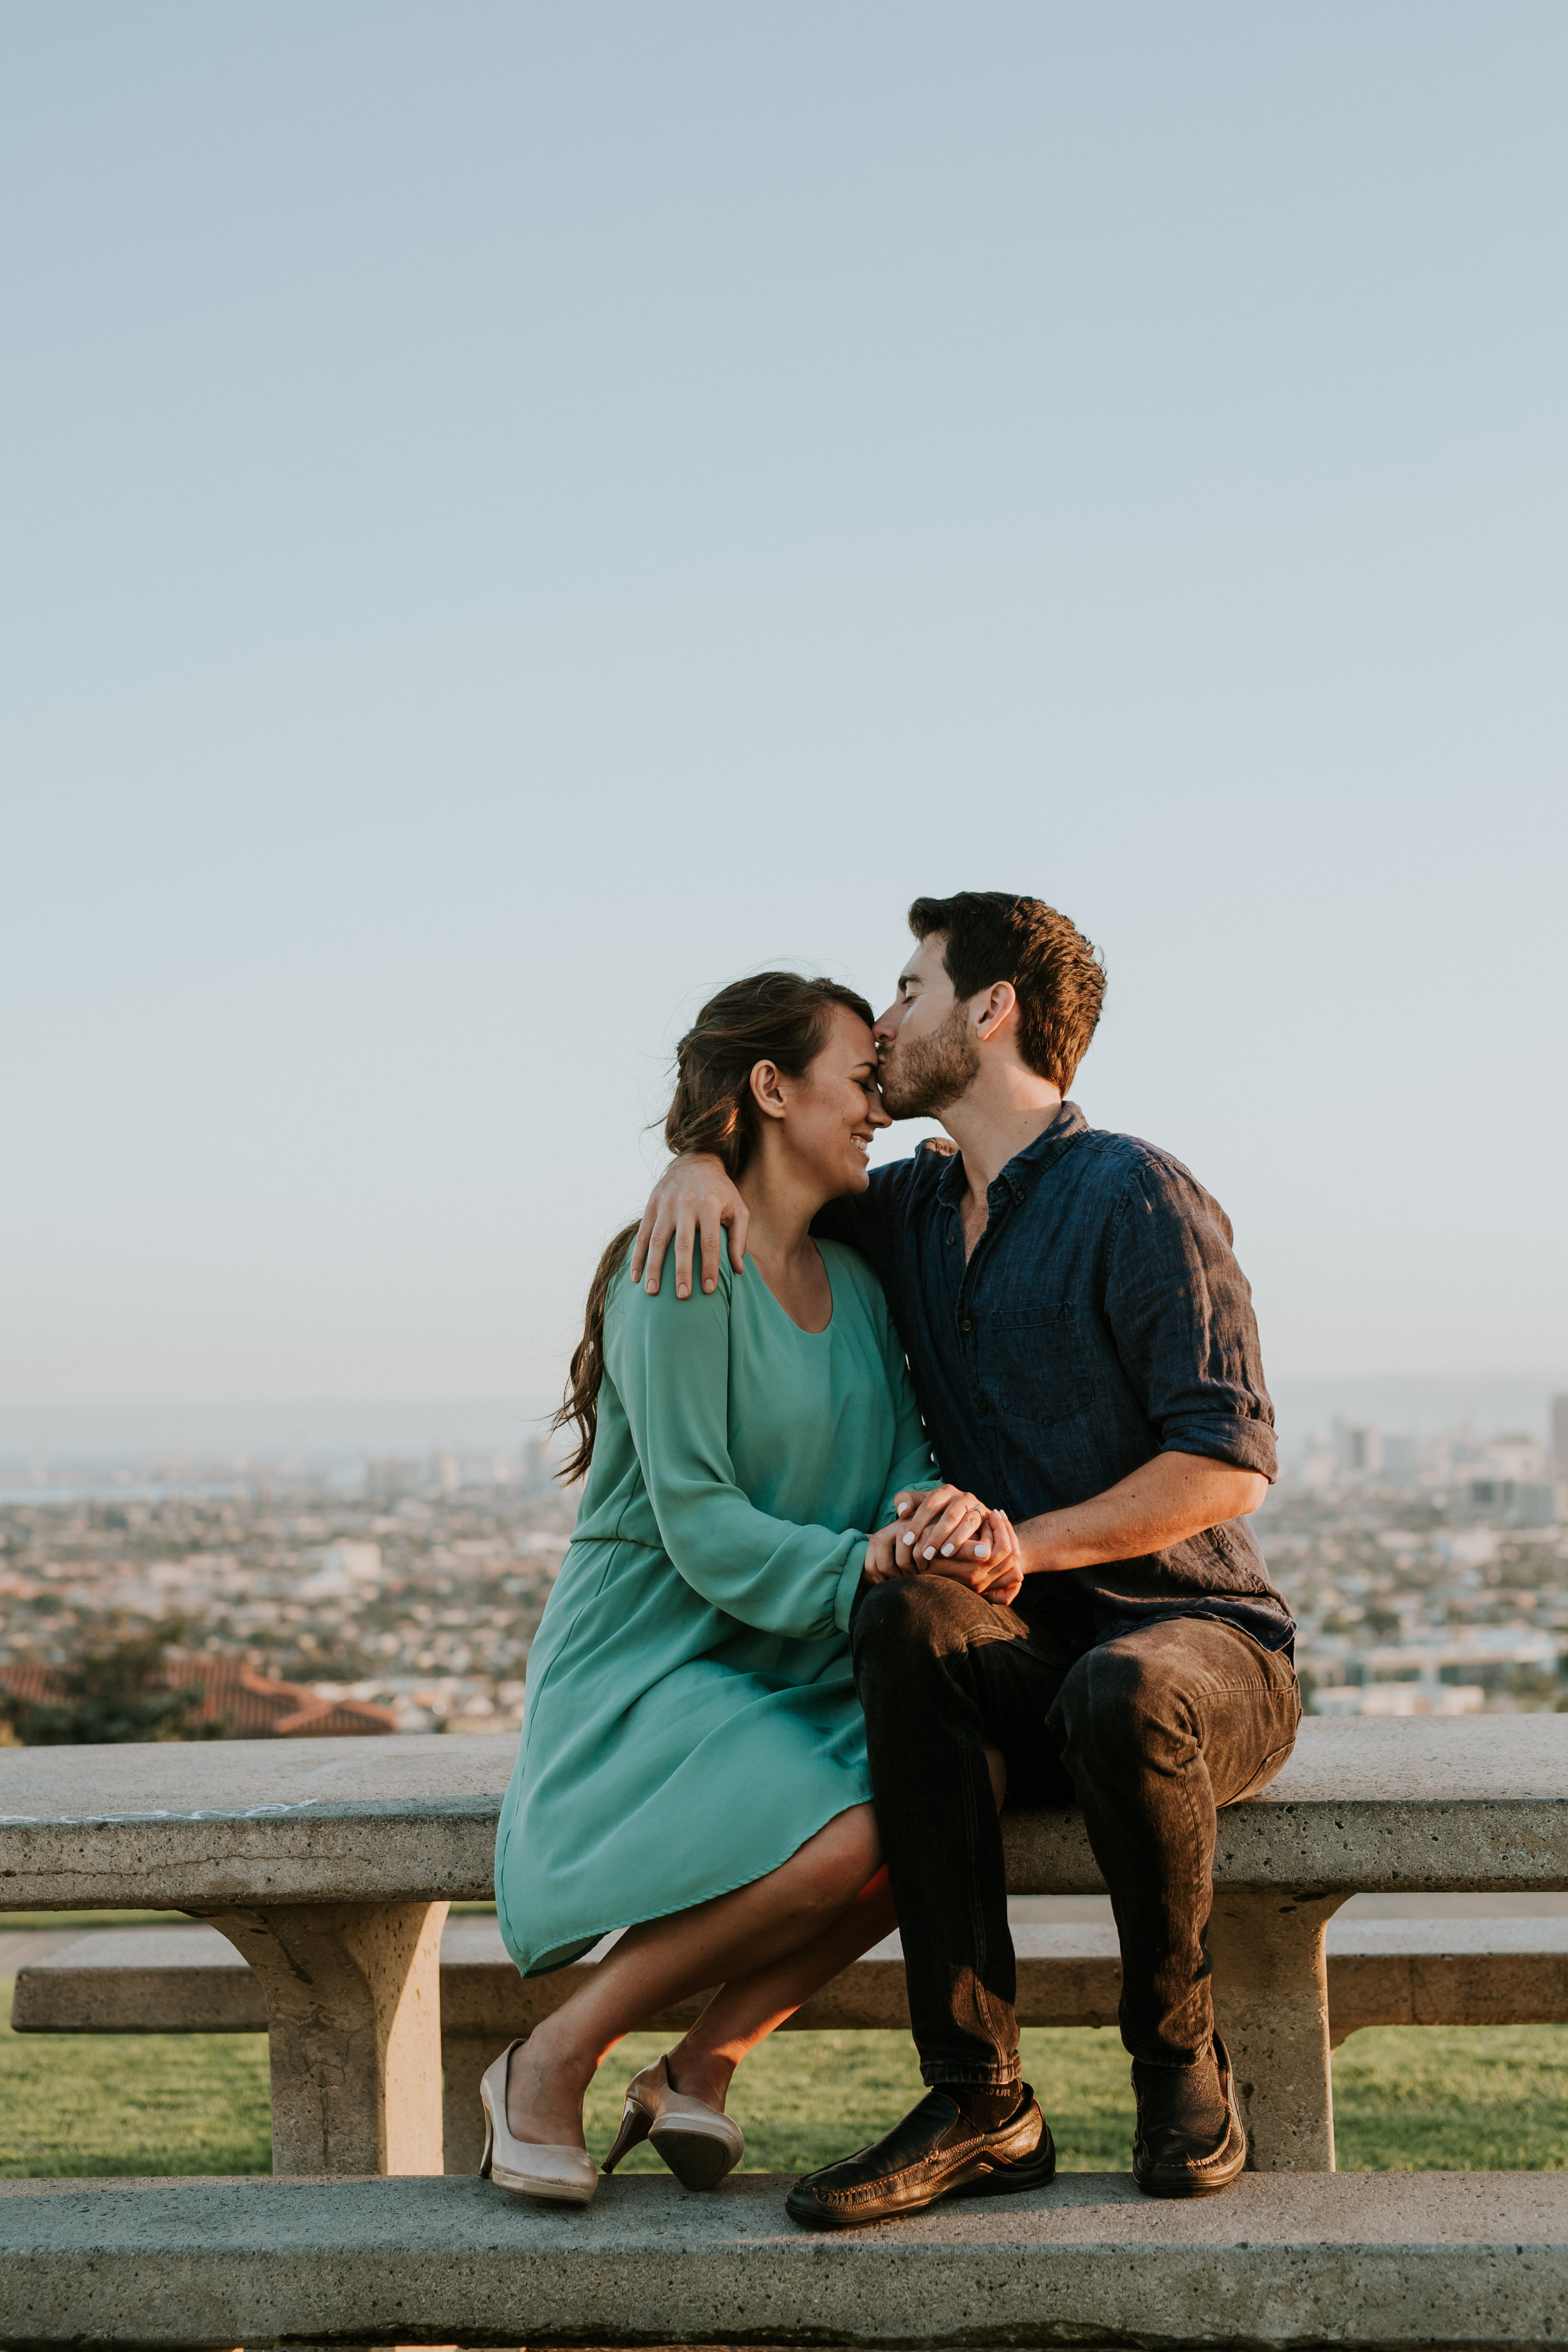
point(1480, 2098)
point(1491, 2099)
point(76, 2104)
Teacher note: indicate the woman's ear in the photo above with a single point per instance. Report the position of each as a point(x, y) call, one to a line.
point(767, 1090)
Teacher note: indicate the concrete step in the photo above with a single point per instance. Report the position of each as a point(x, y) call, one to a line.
point(1366, 2261)
point(1387, 1972)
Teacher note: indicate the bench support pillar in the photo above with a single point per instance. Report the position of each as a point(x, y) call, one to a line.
point(1271, 2006)
point(464, 2057)
point(354, 2009)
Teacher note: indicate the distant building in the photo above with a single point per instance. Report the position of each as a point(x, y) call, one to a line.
point(1401, 1461)
point(1319, 1466)
point(1358, 1448)
point(1559, 1435)
point(387, 1480)
point(360, 1562)
point(1515, 1455)
point(1516, 1502)
point(347, 1568)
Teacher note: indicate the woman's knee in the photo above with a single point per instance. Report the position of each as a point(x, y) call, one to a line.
point(832, 1868)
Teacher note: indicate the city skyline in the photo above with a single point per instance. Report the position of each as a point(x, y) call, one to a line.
point(110, 1445)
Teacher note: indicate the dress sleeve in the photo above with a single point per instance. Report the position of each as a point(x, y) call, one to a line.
point(1180, 1311)
point(669, 1360)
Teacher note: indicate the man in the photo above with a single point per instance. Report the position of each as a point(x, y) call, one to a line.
point(1083, 1343)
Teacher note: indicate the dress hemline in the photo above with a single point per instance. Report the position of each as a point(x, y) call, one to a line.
point(576, 1948)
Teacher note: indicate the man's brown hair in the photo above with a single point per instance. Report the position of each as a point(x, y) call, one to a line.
point(1059, 976)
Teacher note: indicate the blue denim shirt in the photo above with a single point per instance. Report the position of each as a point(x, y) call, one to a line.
point(1101, 1319)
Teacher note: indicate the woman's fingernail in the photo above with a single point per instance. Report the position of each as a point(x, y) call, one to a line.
point(901, 1510)
point(928, 1552)
point(947, 1552)
point(908, 1536)
point(982, 1551)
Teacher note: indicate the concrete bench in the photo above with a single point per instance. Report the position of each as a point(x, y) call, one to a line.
point(329, 1866)
point(1380, 2262)
point(1380, 1972)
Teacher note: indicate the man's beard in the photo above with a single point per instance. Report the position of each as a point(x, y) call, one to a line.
point(925, 1076)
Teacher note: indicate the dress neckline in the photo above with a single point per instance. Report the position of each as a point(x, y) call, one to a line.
point(783, 1311)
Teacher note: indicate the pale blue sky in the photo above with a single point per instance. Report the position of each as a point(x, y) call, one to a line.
point(515, 514)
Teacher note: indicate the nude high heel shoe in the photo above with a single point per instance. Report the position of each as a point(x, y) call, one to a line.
point(697, 2142)
point(559, 2176)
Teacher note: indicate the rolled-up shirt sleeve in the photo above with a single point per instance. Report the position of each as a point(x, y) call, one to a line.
point(1180, 1312)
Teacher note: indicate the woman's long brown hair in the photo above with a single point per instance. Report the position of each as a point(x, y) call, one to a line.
point(774, 1016)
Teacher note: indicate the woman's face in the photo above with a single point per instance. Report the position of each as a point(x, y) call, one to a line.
point(830, 1114)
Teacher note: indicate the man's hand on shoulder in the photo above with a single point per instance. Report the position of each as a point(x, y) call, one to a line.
point(693, 1195)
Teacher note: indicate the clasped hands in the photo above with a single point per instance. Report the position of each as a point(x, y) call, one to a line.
point(943, 1531)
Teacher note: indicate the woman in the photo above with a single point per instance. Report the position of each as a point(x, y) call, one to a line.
point(693, 1763)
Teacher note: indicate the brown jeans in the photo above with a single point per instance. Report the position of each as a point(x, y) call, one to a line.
point(1149, 1733)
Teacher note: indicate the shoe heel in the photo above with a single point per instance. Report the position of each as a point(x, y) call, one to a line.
point(636, 2124)
point(489, 2139)
point(697, 2160)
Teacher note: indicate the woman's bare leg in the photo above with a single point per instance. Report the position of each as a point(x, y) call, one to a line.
point(664, 1961)
point(746, 2009)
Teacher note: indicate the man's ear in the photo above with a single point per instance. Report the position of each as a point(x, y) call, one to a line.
point(767, 1090)
point(1000, 1004)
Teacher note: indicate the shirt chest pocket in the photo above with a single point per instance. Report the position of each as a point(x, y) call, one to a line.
point(1034, 1364)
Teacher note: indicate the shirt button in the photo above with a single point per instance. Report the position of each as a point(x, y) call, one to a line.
point(966, 1325)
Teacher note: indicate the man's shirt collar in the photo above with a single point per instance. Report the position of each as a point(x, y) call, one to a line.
point(1018, 1178)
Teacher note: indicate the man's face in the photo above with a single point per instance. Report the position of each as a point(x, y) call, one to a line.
point(927, 1054)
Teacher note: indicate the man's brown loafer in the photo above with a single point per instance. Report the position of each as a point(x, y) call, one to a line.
point(932, 2153)
point(1177, 2151)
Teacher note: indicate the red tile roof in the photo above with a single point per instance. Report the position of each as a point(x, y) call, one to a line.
point(255, 1706)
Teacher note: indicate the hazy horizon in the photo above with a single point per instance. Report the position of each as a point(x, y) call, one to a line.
point(322, 1429)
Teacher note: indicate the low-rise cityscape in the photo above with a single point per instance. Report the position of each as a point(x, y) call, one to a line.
point(1427, 1575)
point(417, 1594)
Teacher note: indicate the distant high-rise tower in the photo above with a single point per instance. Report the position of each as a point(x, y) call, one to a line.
point(1559, 1435)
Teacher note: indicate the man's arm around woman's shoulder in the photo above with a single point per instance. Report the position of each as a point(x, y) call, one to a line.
point(695, 1202)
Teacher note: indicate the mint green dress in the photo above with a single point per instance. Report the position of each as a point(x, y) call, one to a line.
point(691, 1716)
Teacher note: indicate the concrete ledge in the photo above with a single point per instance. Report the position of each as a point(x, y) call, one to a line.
point(1382, 2260)
point(1363, 1803)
